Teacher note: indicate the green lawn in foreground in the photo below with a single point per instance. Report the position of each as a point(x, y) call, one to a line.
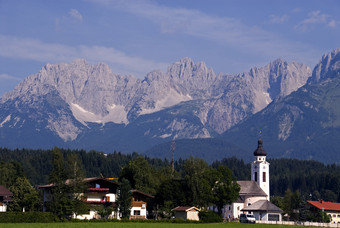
point(139, 225)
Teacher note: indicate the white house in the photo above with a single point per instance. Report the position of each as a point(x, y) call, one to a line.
point(103, 192)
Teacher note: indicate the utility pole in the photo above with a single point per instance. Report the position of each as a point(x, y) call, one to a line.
point(173, 147)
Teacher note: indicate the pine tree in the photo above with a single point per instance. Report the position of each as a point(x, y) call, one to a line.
point(124, 198)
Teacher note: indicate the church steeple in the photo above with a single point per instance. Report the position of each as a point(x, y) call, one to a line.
point(260, 151)
point(260, 168)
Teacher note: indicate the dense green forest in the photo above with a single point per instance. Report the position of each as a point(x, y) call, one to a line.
point(313, 180)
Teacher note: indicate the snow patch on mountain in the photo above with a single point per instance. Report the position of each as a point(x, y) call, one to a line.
point(171, 99)
point(116, 114)
point(8, 118)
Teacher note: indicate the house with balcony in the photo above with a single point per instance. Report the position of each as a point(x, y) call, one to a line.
point(103, 192)
point(139, 203)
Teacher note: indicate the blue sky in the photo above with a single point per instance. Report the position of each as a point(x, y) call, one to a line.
point(136, 37)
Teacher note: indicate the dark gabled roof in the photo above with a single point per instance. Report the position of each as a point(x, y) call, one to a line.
point(86, 180)
point(142, 193)
point(328, 206)
point(4, 191)
point(185, 208)
point(263, 205)
point(250, 188)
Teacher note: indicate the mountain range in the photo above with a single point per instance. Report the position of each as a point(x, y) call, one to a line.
point(84, 106)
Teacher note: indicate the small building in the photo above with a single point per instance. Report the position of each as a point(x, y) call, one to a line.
point(263, 210)
point(5, 197)
point(330, 208)
point(186, 213)
point(139, 204)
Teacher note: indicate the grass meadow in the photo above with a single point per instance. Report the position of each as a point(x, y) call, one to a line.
point(139, 225)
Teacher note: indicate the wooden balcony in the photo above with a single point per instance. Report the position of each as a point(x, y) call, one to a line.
point(98, 189)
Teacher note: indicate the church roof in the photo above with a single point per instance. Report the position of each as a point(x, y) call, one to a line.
point(250, 188)
point(259, 150)
point(263, 205)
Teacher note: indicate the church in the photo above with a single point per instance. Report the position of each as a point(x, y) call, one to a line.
point(255, 194)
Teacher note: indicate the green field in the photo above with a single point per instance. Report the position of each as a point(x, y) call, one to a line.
point(139, 225)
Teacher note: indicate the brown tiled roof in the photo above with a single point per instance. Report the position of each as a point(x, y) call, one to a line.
point(142, 193)
point(185, 208)
point(86, 180)
point(4, 191)
point(6, 194)
point(328, 206)
point(250, 188)
point(263, 205)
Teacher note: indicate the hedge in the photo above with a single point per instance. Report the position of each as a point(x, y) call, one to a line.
point(27, 217)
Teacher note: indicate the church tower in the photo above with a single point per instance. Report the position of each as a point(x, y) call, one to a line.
point(260, 169)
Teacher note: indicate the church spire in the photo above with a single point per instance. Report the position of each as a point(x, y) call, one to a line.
point(260, 151)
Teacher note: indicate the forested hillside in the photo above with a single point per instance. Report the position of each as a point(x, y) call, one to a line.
point(310, 178)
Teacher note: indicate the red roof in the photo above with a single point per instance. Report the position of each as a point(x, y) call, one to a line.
point(4, 191)
point(327, 206)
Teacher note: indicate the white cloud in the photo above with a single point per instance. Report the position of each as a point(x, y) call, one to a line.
point(34, 49)
point(226, 31)
point(315, 17)
point(333, 23)
point(274, 19)
point(9, 77)
point(75, 14)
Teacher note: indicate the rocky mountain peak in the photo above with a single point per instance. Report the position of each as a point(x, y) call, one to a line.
point(328, 67)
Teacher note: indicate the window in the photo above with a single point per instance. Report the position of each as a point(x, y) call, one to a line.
point(229, 208)
point(255, 178)
point(264, 176)
point(136, 212)
point(97, 185)
point(273, 217)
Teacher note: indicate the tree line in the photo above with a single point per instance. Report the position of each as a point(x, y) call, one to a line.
point(194, 182)
point(190, 184)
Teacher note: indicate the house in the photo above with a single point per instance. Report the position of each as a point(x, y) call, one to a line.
point(186, 213)
point(5, 197)
point(103, 192)
point(255, 192)
point(139, 203)
point(331, 209)
point(263, 210)
point(100, 192)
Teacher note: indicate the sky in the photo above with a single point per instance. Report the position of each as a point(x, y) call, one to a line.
point(137, 37)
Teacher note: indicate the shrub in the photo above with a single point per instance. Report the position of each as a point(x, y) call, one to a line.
point(210, 216)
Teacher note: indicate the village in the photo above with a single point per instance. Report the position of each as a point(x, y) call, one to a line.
point(245, 201)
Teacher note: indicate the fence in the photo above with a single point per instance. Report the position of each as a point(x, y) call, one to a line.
point(318, 224)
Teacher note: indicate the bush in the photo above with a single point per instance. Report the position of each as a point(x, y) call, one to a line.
point(27, 217)
point(209, 217)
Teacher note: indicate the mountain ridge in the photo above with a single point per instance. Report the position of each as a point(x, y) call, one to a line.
point(187, 101)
